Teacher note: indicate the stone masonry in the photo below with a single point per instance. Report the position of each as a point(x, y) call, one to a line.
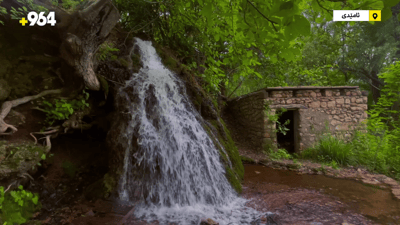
point(340, 108)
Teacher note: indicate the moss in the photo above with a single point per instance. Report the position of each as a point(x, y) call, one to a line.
point(170, 63)
point(123, 61)
point(197, 100)
point(19, 157)
point(247, 160)
point(234, 175)
point(104, 85)
point(215, 103)
point(109, 183)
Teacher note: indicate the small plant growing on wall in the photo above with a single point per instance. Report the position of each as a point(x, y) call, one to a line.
point(274, 119)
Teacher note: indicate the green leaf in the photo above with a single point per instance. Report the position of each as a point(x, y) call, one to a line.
point(217, 37)
point(390, 3)
point(386, 14)
point(273, 59)
point(226, 60)
point(43, 156)
point(286, 5)
point(249, 53)
point(378, 5)
point(300, 26)
point(35, 199)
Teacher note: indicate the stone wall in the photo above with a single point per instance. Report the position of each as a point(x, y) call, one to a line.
point(338, 108)
point(249, 115)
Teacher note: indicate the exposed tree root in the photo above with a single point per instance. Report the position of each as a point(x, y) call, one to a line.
point(44, 133)
point(6, 107)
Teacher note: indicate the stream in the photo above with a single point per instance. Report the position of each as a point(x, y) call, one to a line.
point(374, 202)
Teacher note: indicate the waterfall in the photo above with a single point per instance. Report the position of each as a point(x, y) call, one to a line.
point(171, 165)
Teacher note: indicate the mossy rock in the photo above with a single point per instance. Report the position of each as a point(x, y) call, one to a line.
point(236, 173)
point(101, 188)
point(19, 158)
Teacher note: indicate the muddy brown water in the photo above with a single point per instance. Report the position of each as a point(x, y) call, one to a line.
point(374, 202)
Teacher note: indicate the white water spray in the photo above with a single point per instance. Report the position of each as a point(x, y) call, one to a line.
point(171, 165)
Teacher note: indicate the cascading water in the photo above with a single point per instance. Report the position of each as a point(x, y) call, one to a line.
point(171, 165)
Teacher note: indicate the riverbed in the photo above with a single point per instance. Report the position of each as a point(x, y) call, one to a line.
point(318, 199)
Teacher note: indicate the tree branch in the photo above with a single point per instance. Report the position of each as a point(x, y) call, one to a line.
point(272, 22)
point(363, 71)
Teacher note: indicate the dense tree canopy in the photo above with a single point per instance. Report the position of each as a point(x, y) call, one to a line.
point(237, 39)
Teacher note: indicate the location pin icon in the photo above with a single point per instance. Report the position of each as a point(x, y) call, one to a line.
point(375, 15)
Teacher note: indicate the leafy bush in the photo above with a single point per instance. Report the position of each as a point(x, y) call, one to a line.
point(279, 154)
point(16, 207)
point(62, 109)
point(330, 148)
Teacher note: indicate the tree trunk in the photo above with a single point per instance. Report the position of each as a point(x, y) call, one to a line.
point(375, 87)
point(84, 33)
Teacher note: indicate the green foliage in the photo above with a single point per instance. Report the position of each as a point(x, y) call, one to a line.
point(106, 52)
point(16, 207)
point(279, 154)
point(247, 160)
point(274, 119)
point(69, 5)
point(230, 39)
point(333, 164)
point(330, 148)
point(26, 7)
point(62, 109)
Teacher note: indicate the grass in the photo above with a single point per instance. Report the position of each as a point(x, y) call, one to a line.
point(377, 153)
point(329, 148)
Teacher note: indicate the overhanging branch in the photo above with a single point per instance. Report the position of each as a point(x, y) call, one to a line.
point(272, 22)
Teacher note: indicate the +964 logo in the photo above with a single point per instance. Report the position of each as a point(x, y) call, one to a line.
point(39, 19)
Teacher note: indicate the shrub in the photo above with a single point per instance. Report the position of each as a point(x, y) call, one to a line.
point(16, 207)
point(279, 154)
point(61, 109)
point(329, 148)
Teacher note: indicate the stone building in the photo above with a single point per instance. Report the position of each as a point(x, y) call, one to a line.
point(310, 111)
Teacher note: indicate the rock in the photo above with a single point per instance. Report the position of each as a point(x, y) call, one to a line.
point(272, 218)
point(18, 159)
point(208, 222)
point(396, 192)
point(90, 213)
point(331, 104)
point(5, 90)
